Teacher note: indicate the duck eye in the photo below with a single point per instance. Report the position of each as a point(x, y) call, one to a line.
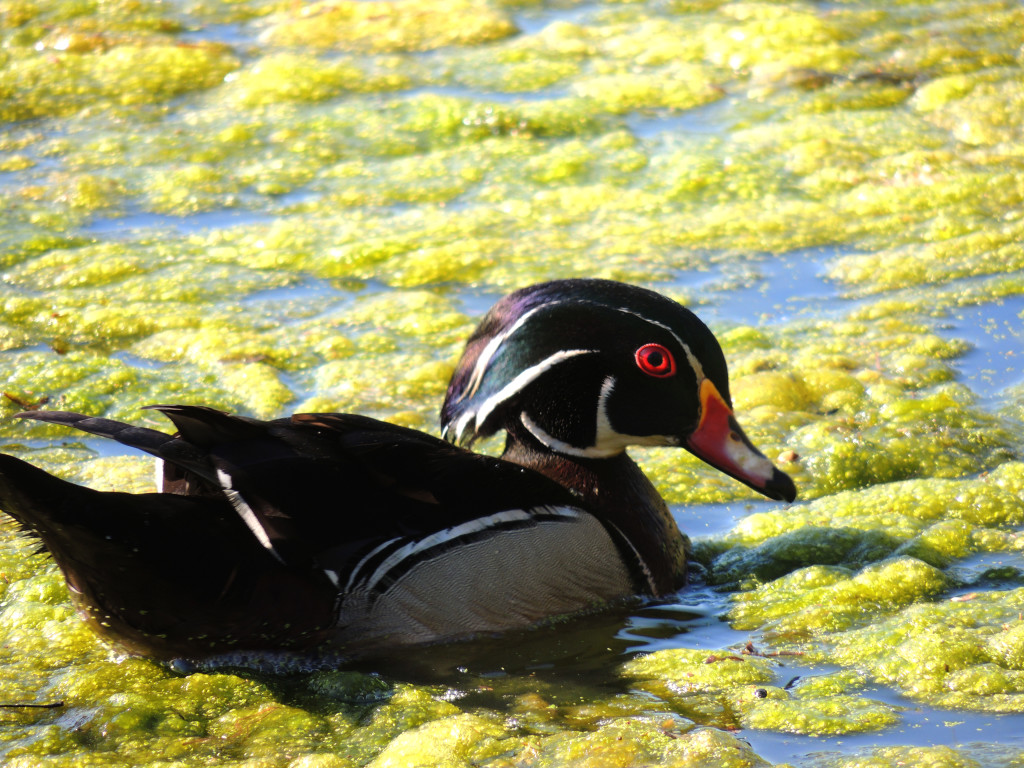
point(655, 360)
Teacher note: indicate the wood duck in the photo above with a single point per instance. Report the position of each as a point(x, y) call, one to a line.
point(340, 531)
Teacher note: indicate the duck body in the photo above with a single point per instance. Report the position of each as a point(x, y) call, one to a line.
point(343, 532)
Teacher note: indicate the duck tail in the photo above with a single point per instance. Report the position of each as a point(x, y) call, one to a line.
point(38, 501)
point(88, 530)
point(148, 440)
point(92, 535)
point(186, 469)
point(166, 575)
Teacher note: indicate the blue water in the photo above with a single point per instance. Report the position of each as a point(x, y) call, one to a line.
point(774, 289)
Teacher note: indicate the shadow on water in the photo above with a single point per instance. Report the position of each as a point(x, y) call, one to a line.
point(575, 662)
point(578, 652)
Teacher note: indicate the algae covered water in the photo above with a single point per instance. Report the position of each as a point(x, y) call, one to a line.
point(268, 206)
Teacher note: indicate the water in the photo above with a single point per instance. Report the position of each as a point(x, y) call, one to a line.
point(578, 660)
point(996, 333)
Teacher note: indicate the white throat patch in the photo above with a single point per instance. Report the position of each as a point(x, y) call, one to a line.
point(607, 442)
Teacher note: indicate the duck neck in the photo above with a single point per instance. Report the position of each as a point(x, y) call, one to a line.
point(618, 493)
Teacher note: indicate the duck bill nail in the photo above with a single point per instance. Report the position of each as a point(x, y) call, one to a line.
point(719, 440)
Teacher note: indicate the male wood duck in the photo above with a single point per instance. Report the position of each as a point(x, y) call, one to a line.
point(340, 531)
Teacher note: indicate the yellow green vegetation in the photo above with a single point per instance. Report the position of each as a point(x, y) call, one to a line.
point(268, 206)
point(387, 26)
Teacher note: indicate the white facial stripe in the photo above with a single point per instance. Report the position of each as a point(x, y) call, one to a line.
point(525, 377)
point(698, 369)
point(245, 512)
point(560, 446)
point(609, 442)
point(453, 534)
point(484, 360)
point(605, 431)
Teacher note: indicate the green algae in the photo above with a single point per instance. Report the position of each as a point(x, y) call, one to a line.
point(959, 653)
point(394, 158)
point(284, 77)
point(681, 88)
point(904, 510)
point(383, 26)
point(831, 715)
point(737, 691)
point(642, 743)
point(122, 74)
point(768, 35)
point(823, 598)
point(892, 757)
point(450, 741)
point(694, 670)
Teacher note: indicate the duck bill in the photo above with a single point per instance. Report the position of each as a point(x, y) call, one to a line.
point(720, 442)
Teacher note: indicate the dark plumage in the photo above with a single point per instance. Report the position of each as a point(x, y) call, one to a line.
point(340, 532)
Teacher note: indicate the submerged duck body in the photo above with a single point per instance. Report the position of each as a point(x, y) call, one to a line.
point(340, 531)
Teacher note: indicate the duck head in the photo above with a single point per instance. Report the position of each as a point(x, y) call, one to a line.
point(589, 367)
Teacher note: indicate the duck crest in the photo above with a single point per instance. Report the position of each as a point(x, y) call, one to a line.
point(339, 532)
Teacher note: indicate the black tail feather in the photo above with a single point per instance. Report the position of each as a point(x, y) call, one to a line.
point(204, 426)
point(149, 440)
point(170, 448)
point(161, 574)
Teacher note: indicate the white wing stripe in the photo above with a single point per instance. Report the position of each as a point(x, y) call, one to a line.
point(453, 534)
point(245, 512)
point(355, 571)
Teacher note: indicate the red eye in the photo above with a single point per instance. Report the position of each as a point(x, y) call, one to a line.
point(655, 360)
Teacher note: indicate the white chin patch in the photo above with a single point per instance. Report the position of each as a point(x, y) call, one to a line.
point(611, 444)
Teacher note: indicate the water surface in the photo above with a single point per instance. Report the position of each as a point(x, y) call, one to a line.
point(268, 206)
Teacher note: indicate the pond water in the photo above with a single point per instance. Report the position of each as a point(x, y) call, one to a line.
point(261, 205)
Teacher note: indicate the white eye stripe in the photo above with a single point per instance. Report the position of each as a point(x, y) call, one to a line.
point(698, 369)
point(484, 360)
point(516, 385)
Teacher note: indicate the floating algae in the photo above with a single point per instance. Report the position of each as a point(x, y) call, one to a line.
point(267, 206)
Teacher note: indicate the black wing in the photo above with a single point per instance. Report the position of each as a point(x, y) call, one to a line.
point(326, 490)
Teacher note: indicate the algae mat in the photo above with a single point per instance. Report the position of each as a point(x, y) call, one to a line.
point(269, 206)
